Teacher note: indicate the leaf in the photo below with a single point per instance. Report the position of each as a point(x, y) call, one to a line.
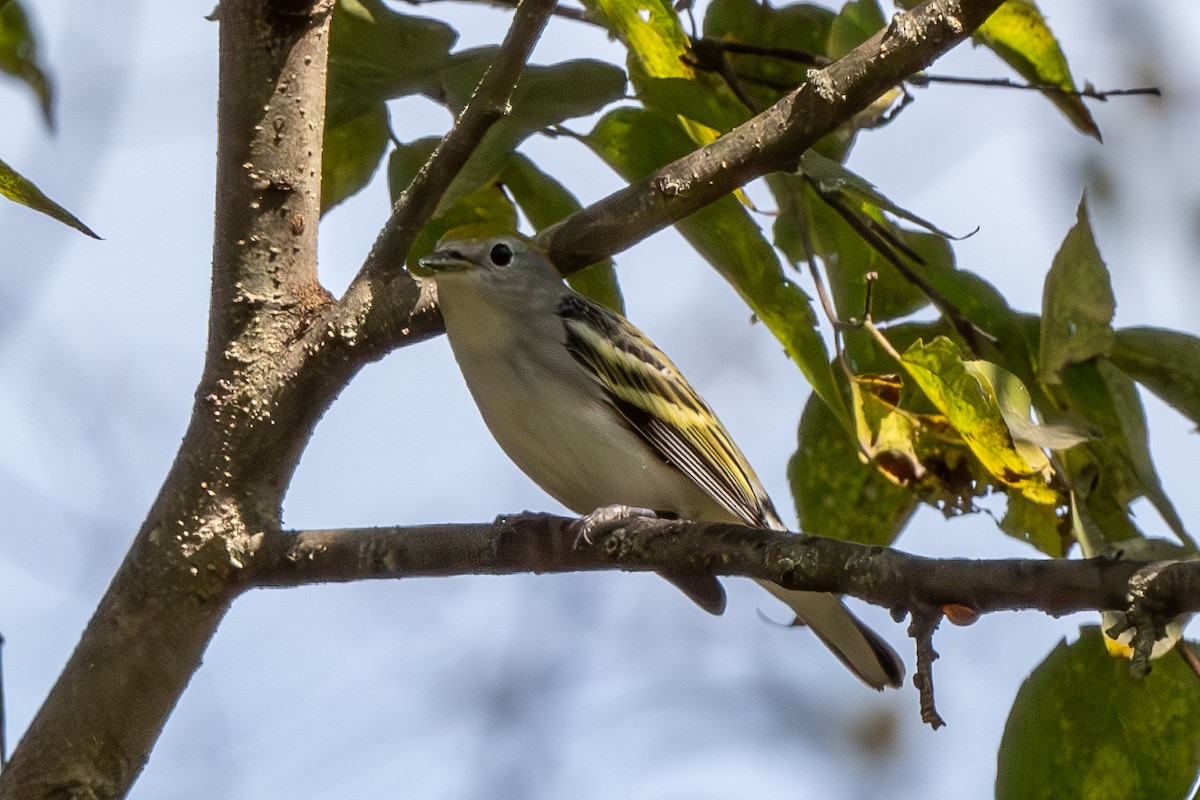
point(352, 151)
point(918, 451)
point(836, 494)
point(19, 56)
point(406, 160)
point(1016, 406)
point(855, 23)
point(18, 189)
point(651, 30)
point(545, 201)
point(635, 143)
point(1037, 524)
point(544, 96)
point(1018, 33)
point(972, 410)
point(1108, 400)
point(1165, 362)
point(1082, 727)
point(1077, 304)
point(376, 54)
point(800, 27)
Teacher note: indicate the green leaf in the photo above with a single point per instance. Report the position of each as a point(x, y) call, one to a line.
point(858, 21)
point(1037, 524)
point(801, 26)
point(17, 188)
point(376, 54)
point(545, 96)
point(1018, 33)
point(545, 201)
point(974, 412)
point(635, 143)
point(19, 56)
point(1081, 727)
point(1077, 304)
point(352, 151)
point(1165, 362)
point(836, 494)
point(1108, 400)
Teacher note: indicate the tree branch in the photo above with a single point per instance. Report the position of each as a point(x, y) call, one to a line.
point(924, 588)
point(881, 576)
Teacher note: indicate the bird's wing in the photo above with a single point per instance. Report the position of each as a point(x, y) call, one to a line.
point(663, 409)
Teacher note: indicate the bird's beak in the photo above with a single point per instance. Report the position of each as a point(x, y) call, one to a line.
point(446, 260)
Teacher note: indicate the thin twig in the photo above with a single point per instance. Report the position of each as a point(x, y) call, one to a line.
point(923, 79)
point(1189, 656)
point(782, 53)
point(969, 331)
point(921, 629)
point(810, 255)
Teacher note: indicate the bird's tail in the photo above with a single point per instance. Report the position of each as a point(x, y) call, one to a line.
point(861, 649)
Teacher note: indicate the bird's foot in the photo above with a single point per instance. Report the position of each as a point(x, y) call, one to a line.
point(601, 517)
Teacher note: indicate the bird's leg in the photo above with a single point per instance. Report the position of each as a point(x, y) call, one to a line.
point(606, 515)
point(702, 588)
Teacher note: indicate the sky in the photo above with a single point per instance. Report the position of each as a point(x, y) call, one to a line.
point(594, 685)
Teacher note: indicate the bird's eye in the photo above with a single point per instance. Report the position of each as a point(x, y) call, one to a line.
point(501, 255)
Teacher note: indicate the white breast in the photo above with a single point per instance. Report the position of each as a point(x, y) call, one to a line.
point(552, 419)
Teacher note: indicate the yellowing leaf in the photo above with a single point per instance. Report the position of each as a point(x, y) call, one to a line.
point(973, 411)
point(1018, 33)
point(652, 31)
point(1016, 405)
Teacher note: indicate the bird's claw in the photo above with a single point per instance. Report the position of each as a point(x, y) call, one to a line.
point(606, 515)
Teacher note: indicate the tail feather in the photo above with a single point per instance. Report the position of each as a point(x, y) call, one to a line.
point(861, 649)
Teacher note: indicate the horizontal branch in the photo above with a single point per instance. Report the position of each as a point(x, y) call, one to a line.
point(900, 581)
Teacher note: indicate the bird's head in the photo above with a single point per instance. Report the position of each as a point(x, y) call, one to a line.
point(497, 262)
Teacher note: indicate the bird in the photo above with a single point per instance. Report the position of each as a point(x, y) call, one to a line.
point(596, 415)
